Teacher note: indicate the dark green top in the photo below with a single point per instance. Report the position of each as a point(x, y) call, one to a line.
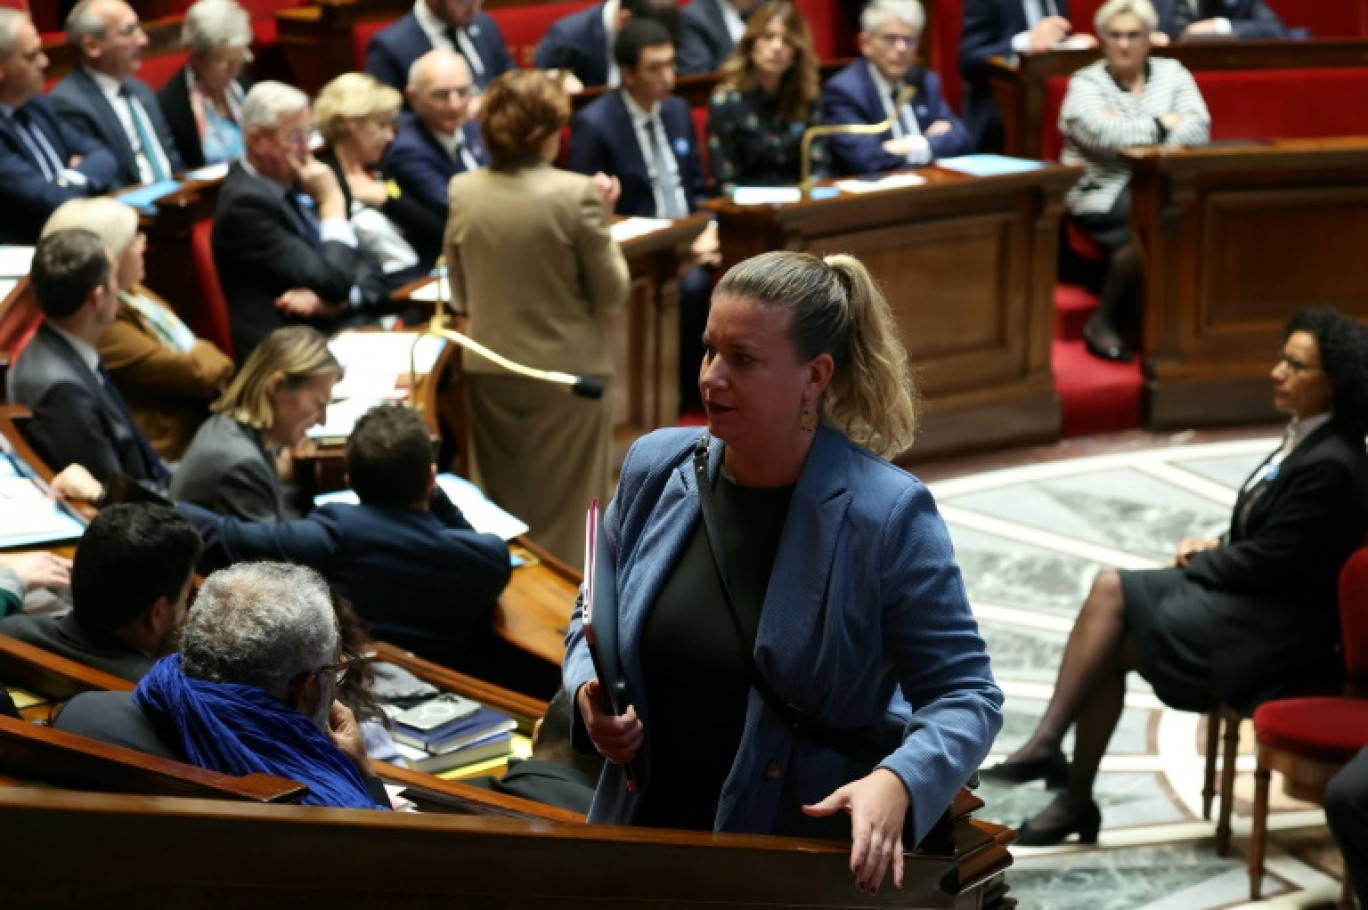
point(697, 676)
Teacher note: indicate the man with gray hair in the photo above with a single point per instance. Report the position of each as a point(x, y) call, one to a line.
point(104, 100)
point(283, 245)
point(876, 89)
point(253, 690)
point(43, 162)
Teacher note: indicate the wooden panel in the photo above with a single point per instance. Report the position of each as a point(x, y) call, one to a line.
point(1234, 240)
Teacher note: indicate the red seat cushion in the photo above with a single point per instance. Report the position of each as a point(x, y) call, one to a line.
point(1324, 18)
point(947, 27)
point(1322, 729)
point(361, 35)
point(209, 319)
point(157, 71)
point(1097, 396)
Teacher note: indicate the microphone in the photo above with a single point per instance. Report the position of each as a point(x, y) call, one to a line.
point(906, 94)
point(581, 386)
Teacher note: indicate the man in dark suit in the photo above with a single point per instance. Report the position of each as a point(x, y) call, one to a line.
point(709, 30)
point(1005, 28)
point(43, 163)
point(103, 99)
point(582, 43)
point(79, 418)
point(405, 557)
point(556, 774)
point(1346, 811)
point(644, 136)
point(870, 90)
point(1188, 20)
point(283, 245)
point(453, 25)
point(435, 142)
point(130, 584)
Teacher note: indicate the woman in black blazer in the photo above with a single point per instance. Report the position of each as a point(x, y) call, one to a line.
point(202, 103)
point(1241, 618)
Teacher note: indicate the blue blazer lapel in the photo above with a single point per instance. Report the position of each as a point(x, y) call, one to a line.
point(796, 598)
point(625, 133)
point(114, 136)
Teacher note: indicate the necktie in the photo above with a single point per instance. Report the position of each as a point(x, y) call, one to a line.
point(900, 127)
point(49, 162)
point(304, 216)
point(153, 469)
point(664, 176)
point(461, 42)
point(464, 156)
point(150, 147)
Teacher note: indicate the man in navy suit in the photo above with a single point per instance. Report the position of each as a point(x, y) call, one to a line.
point(868, 91)
point(43, 163)
point(582, 43)
point(79, 418)
point(436, 141)
point(1187, 20)
point(1005, 28)
point(103, 99)
point(709, 30)
point(412, 566)
point(644, 136)
point(453, 25)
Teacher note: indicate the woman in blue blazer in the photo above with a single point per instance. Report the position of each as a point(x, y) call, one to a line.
point(843, 585)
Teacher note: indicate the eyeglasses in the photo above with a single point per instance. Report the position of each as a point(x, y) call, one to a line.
point(1295, 365)
point(894, 40)
point(340, 669)
point(1118, 37)
point(442, 95)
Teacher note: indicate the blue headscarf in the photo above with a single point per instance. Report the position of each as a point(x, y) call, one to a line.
point(236, 729)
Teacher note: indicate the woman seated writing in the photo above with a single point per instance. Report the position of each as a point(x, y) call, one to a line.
point(282, 390)
point(1126, 99)
point(765, 100)
point(819, 580)
point(1243, 618)
point(166, 375)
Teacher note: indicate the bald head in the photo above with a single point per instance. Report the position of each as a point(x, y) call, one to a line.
point(439, 89)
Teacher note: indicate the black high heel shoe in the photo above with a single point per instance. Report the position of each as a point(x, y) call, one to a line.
point(1054, 768)
point(1084, 820)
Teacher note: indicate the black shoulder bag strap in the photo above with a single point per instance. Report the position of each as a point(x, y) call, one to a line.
point(848, 743)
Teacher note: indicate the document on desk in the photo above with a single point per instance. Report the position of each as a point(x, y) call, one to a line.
point(29, 516)
point(209, 172)
point(988, 165)
point(375, 361)
point(631, 228)
point(15, 261)
point(428, 292)
point(879, 184)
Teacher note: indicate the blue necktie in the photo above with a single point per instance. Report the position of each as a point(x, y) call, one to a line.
point(45, 155)
point(306, 218)
point(153, 469)
point(150, 146)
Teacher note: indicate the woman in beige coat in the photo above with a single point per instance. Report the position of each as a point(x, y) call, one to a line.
point(531, 259)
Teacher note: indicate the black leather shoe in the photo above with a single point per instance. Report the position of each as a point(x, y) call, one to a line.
point(1053, 768)
point(1084, 821)
point(1105, 343)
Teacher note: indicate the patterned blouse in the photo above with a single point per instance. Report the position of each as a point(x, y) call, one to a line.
point(749, 144)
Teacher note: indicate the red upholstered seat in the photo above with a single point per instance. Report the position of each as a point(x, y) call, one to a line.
point(1324, 18)
point(700, 124)
point(18, 321)
point(1323, 729)
point(523, 26)
point(832, 36)
point(156, 71)
point(210, 319)
point(361, 35)
point(947, 26)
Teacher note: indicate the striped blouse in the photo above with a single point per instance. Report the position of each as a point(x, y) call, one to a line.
point(1099, 118)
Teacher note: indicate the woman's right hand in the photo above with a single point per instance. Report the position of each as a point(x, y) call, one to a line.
point(609, 189)
point(617, 736)
point(1190, 546)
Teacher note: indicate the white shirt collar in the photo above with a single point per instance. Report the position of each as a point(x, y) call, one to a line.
point(883, 85)
point(109, 86)
point(638, 112)
point(1300, 429)
point(433, 27)
point(610, 30)
point(736, 26)
point(84, 349)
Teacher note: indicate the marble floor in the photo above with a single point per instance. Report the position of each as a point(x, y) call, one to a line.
point(1030, 539)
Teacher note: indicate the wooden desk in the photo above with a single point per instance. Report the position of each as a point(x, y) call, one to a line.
point(1019, 88)
point(1233, 241)
point(968, 265)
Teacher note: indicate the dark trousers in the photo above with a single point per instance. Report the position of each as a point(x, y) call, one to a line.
point(1123, 285)
point(1346, 809)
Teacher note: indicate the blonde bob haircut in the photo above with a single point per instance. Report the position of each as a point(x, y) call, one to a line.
point(836, 308)
point(114, 222)
point(297, 353)
point(352, 96)
point(1140, 9)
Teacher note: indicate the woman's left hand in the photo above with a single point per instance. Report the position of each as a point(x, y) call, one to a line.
point(367, 190)
point(877, 805)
